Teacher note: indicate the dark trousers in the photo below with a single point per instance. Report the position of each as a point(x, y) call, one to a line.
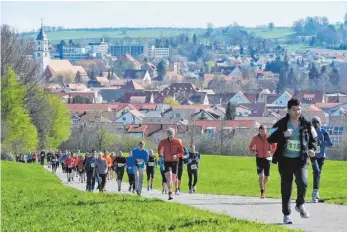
point(90, 181)
point(191, 174)
point(131, 180)
point(101, 181)
point(42, 161)
point(288, 168)
point(317, 166)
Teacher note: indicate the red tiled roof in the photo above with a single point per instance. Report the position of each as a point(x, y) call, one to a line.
point(197, 108)
point(90, 95)
point(74, 108)
point(136, 128)
point(327, 105)
point(251, 97)
point(234, 123)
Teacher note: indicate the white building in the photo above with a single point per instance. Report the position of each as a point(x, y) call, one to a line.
point(157, 53)
point(42, 54)
point(97, 47)
point(74, 54)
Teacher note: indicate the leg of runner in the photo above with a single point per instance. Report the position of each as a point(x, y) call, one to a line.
point(178, 181)
point(89, 181)
point(317, 165)
point(152, 178)
point(190, 176)
point(261, 184)
point(103, 181)
point(148, 172)
point(195, 175)
point(132, 182)
point(163, 181)
point(137, 181)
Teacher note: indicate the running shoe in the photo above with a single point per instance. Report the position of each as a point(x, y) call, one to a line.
point(287, 219)
point(170, 196)
point(302, 210)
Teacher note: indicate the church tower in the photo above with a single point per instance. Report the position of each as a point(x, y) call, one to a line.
point(42, 54)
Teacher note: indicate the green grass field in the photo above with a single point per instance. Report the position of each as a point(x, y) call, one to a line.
point(56, 37)
point(35, 200)
point(276, 33)
point(237, 176)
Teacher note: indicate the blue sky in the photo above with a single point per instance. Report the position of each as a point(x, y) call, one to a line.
point(26, 16)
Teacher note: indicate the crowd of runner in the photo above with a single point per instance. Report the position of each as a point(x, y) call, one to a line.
point(293, 141)
point(97, 168)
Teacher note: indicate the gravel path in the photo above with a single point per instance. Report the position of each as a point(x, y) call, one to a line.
point(323, 217)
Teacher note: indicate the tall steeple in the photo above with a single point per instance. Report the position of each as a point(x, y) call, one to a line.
point(42, 54)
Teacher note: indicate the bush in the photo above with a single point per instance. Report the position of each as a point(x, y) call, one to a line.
point(7, 156)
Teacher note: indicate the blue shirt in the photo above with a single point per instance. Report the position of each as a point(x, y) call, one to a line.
point(293, 142)
point(130, 165)
point(142, 155)
point(161, 164)
point(63, 158)
point(323, 141)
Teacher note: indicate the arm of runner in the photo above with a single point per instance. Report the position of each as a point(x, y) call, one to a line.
point(327, 139)
point(251, 146)
point(160, 148)
point(180, 150)
point(312, 143)
point(273, 147)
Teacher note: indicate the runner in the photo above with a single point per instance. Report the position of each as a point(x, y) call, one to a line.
point(162, 171)
point(49, 158)
point(109, 165)
point(296, 140)
point(119, 166)
point(70, 163)
point(172, 149)
point(112, 156)
point(141, 158)
point(89, 166)
point(261, 148)
point(180, 168)
point(54, 162)
point(80, 168)
point(101, 168)
point(150, 169)
point(57, 156)
point(74, 169)
point(192, 168)
point(130, 165)
point(62, 161)
point(42, 156)
point(318, 161)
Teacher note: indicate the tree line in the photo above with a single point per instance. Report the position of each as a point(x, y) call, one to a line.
point(31, 118)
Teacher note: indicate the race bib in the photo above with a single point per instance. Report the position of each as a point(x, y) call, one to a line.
point(92, 165)
point(194, 166)
point(293, 145)
point(140, 163)
point(120, 165)
point(69, 166)
point(269, 158)
point(80, 170)
point(151, 164)
point(318, 149)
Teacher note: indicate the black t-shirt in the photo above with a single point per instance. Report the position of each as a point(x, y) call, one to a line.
point(152, 161)
point(119, 162)
point(42, 153)
point(192, 160)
